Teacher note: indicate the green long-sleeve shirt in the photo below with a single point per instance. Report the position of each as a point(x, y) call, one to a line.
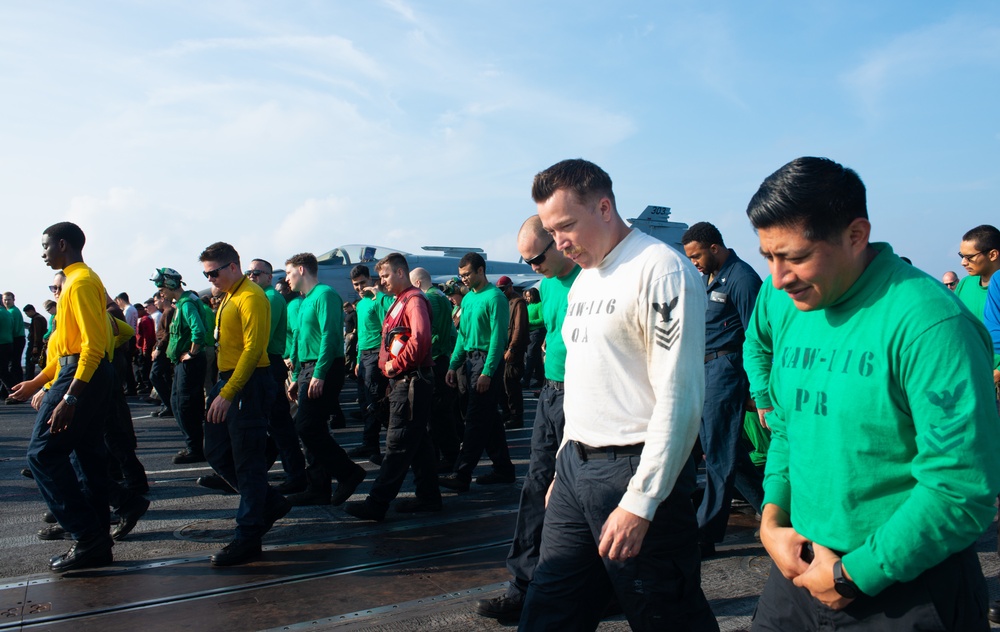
point(188, 324)
point(973, 296)
point(442, 326)
point(6, 327)
point(535, 321)
point(319, 331)
point(371, 313)
point(291, 320)
point(885, 429)
point(485, 315)
point(279, 322)
point(17, 321)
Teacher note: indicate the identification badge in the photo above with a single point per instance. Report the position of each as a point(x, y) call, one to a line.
point(718, 297)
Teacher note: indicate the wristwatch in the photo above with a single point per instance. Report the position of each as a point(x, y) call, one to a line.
point(844, 587)
point(70, 400)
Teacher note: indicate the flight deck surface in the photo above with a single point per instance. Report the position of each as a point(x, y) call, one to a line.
point(321, 569)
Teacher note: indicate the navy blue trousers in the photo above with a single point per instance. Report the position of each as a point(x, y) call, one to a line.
point(727, 462)
point(659, 589)
point(75, 489)
point(235, 449)
point(546, 435)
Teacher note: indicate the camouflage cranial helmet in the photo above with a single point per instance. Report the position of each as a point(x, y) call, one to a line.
point(168, 278)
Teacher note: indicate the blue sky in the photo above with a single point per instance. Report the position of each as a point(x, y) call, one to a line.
point(161, 127)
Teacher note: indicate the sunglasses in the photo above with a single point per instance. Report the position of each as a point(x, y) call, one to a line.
point(211, 274)
point(539, 259)
point(55, 288)
point(255, 273)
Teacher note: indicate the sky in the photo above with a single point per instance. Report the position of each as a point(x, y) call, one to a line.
point(283, 127)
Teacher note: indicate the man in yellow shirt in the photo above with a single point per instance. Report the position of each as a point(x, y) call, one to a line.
point(71, 413)
point(236, 421)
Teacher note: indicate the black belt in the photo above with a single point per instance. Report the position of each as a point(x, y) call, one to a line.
point(608, 453)
point(368, 352)
point(476, 352)
point(69, 360)
point(556, 385)
point(718, 354)
point(424, 372)
point(307, 363)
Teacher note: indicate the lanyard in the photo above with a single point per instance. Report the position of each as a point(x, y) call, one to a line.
point(218, 317)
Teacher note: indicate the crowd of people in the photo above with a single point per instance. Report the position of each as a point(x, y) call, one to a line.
point(648, 364)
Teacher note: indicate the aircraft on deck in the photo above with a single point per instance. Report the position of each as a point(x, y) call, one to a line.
point(335, 266)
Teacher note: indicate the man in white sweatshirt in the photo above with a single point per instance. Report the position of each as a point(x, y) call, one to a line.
point(619, 514)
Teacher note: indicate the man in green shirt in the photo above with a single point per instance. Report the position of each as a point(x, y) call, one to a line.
point(280, 426)
point(186, 336)
point(6, 351)
point(18, 333)
point(882, 469)
point(980, 253)
point(536, 247)
point(370, 309)
point(318, 370)
point(482, 339)
point(444, 424)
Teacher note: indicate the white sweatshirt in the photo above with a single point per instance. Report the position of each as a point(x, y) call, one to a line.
point(635, 356)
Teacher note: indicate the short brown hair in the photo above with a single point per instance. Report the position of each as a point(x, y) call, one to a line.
point(222, 252)
point(395, 261)
point(585, 179)
point(305, 259)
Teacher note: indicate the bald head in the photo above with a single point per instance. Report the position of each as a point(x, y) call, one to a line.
point(420, 278)
point(537, 248)
point(950, 280)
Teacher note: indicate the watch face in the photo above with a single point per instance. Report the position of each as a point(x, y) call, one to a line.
point(846, 590)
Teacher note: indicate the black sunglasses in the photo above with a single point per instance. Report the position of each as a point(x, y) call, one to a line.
point(211, 274)
point(255, 273)
point(539, 259)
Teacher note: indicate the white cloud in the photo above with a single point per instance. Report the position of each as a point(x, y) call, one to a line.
point(919, 54)
point(324, 50)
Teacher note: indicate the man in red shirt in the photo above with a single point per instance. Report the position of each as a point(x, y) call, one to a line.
point(405, 359)
point(145, 342)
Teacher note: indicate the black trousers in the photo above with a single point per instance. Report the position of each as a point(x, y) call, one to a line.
point(322, 450)
point(949, 596)
point(407, 442)
point(483, 427)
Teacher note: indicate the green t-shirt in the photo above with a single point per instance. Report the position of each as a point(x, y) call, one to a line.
point(279, 322)
point(319, 330)
point(188, 324)
point(554, 293)
point(885, 429)
point(973, 296)
point(442, 326)
point(483, 327)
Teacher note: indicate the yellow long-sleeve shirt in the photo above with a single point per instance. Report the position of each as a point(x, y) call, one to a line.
point(83, 328)
point(243, 323)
